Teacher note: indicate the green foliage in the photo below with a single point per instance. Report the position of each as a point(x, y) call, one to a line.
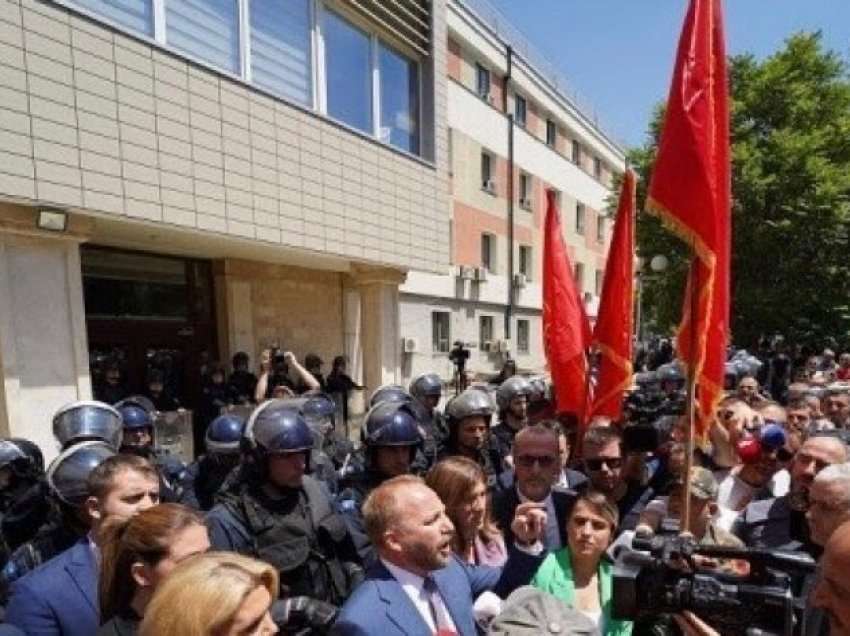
point(790, 128)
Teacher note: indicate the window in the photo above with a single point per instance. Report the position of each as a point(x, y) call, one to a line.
point(557, 198)
point(597, 167)
point(578, 274)
point(205, 29)
point(487, 173)
point(440, 332)
point(399, 78)
point(281, 53)
point(135, 15)
point(551, 133)
point(600, 229)
point(485, 331)
point(525, 190)
point(349, 73)
point(488, 252)
point(576, 156)
point(525, 264)
point(523, 336)
point(482, 82)
point(520, 110)
point(579, 218)
point(598, 282)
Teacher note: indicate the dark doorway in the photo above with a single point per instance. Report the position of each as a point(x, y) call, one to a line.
point(149, 315)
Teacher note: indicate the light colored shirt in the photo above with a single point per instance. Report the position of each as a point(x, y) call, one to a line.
point(413, 586)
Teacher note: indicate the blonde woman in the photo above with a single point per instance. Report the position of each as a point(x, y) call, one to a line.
point(214, 594)
point(461, 485)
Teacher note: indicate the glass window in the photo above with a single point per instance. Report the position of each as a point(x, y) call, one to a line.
point(525, 261)
point(485, 332)
point(551, 133)
point(482, 81)
point(524, 190)
point(440, 332)
point(597, 167)
point(580, 218)
point(523, 336)
point(578, 273)
point(348, 69)
point(281, 51)
point(399, 100)
point(576, 152)
point(599, 278)
point(205, 29)
point(136, 15)
point(488, 256)
point(486, 171)
point(520, 110)
point(600, 229)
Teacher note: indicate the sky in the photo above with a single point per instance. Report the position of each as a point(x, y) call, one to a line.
point(618, 54)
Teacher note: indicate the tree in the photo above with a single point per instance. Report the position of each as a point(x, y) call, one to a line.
point(790, 129)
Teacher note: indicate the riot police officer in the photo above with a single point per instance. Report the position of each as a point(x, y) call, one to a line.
point(469, 417)
point(391, 435)
point(512, 396)
point(427, 389)
point(137, 421)
point(23, 504)
point(87, 420)
point(204, 477)
point(426, 455)
point(278, 514)
point(66, 479)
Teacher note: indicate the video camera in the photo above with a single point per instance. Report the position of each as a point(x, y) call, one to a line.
point(645, 406)
point(659, 576)
point(459, 355)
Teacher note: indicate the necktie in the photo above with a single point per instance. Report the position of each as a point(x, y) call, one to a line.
point(444, 624)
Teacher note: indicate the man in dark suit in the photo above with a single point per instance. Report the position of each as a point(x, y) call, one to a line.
point(536, 469)
point(418, 587)
point(60, 598)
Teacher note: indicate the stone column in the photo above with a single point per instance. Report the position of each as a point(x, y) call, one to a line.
point(43, 346)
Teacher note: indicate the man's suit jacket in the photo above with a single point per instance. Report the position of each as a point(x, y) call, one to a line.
point(767, 524)
point(506, 500)
point(379, 605)
point(59, 597)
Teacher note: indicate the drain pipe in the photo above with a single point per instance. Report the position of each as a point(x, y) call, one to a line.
point(509, 308)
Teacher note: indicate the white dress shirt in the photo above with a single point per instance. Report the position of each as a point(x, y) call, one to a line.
point(412, 584)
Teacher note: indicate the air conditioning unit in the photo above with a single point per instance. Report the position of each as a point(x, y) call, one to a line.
point(520, 280)
point(480, 274)
point(410, 345)
point(465, 272)
point(504, 346)
point(489, 346)
point(489, 185)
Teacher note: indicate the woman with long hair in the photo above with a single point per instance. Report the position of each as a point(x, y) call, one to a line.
point(137, 555)
point(214, 594)
point(462, 486)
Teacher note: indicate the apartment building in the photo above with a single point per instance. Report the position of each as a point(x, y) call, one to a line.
point(184, 179)
point(513, 132)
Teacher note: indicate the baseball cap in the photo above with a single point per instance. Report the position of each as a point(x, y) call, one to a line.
point(703, 484)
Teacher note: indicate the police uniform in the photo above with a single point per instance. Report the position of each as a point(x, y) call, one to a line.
point(474, 403)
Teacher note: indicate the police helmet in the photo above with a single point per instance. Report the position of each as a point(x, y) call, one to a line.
point(139, 401)
point(538, 388)
point(389, 393)
point(224, 434)
point(470, 403)
point(391, 424)
point(318, 410)
point(135, 417)
point(9, 453)
point(275, 427)
point(670, 372)
point(426, 385)
point(22, 455)
point(514, 387)
point(87, 420)
point(68, 474)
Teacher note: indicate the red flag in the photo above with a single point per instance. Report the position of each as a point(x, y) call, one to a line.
point(612, 335)
point(566, 330)
point(690, 191)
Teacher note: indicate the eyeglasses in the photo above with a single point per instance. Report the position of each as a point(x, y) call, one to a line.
point(528, 461)
point(613, 463)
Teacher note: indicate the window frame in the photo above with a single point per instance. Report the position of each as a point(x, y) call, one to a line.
point(523, 341)
point(599, 281)
point(578, 276)
point(436, 341)
point(576, 152)
point(523, 120)
point(551, 133)
point(526, 188)
point(525, 262)
point(488, 263)
point(485, 155)
point(600, 229)
point(485, 319)
point(480, 72)
point(597, 168)
point(581, 218)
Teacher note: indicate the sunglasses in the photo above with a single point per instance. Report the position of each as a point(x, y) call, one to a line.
point(528, 461)
point(612, 463)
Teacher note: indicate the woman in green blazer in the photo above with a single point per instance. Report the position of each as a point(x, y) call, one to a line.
point(580, 574)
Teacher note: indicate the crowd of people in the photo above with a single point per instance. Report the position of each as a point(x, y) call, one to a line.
point(491, 515)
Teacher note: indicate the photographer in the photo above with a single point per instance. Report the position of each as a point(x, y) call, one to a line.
point(459, 356)
point(274, 375)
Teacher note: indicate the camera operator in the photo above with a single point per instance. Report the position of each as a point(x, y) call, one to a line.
point(274, 378)
point(459, 356)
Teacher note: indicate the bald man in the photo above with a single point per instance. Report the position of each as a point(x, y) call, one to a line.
point(418, 587)
point(833, 590)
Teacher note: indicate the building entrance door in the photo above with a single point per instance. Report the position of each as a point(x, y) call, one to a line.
point(148, 317)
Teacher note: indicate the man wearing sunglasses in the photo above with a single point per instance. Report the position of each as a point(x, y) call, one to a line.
point(607, 472)
point(536, 469)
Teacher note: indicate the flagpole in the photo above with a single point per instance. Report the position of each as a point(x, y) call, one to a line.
point(685, 525)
